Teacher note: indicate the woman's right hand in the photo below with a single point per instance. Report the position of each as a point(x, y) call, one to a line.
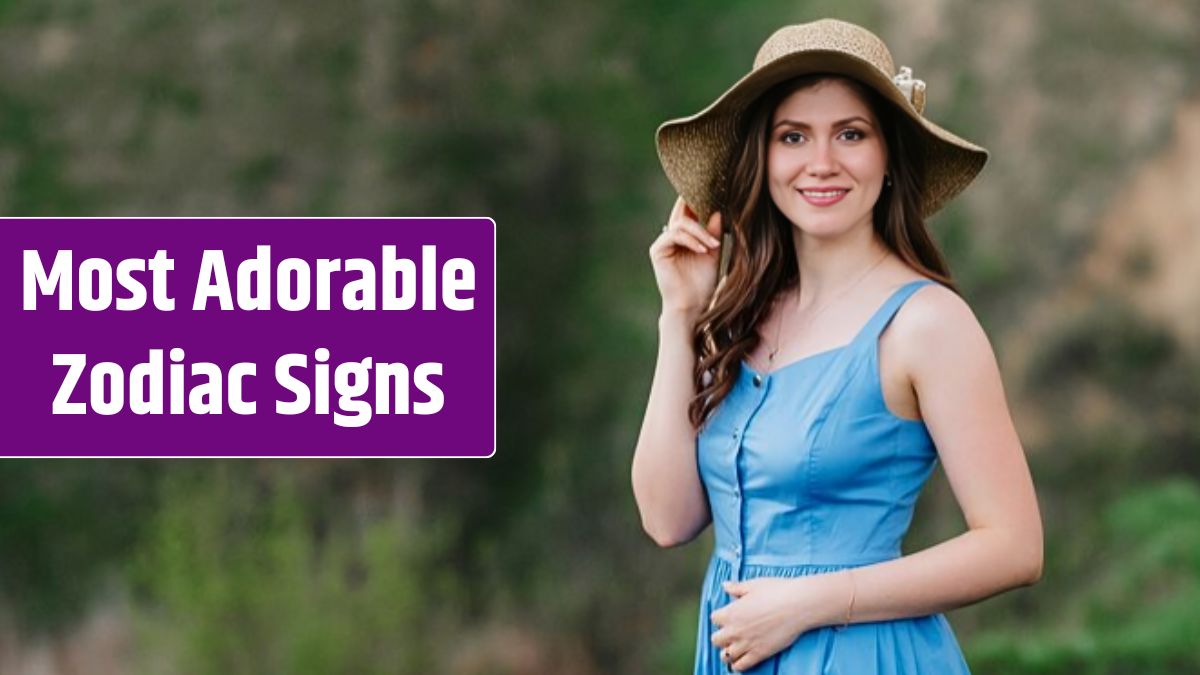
point(685, 258)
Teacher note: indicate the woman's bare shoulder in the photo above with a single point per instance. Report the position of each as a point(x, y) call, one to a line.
point(936, 328)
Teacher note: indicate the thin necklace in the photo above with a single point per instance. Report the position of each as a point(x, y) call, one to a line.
point(779, 328)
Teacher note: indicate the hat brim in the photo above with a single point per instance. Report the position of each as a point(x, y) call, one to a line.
point(694, 150)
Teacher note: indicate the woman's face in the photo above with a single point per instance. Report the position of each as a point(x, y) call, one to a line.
point(825, 138)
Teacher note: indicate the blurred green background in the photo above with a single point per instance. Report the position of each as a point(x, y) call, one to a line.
point(1077, 247)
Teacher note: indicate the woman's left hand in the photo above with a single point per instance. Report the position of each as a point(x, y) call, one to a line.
point(766, 615)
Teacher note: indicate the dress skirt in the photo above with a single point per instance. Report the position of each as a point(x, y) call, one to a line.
point(910, 646)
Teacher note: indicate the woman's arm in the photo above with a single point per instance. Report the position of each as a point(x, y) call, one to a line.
point(957, 380)
point(666, 480)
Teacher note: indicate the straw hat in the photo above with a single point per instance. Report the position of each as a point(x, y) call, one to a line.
point(695, 150)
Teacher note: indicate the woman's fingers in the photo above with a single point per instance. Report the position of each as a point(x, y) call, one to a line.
point(741, 662)
point(733, 654)
point(682, 238)
point(680, 221)
point(702, 234)
point(680, 212)
point(736, 655)
point(684, 231)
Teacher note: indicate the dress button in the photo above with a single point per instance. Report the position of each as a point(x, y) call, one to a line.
point(758, 380)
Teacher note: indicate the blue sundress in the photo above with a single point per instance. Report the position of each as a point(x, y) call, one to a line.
point(807, 472)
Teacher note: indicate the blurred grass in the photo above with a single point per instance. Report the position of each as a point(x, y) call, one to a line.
point(250, 583)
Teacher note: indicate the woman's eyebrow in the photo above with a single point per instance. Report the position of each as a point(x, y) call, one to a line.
point(838, 123)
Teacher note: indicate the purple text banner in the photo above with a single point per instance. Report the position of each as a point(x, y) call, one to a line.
point(249, 337)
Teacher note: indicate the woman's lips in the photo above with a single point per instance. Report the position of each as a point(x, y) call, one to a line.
point(823, 201)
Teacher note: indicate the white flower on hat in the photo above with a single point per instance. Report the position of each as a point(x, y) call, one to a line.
point(913, 89)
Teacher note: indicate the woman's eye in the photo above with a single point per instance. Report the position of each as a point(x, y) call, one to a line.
point(793, 137)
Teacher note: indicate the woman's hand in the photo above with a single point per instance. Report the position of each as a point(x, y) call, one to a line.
point(768, 614)
point(685, 258)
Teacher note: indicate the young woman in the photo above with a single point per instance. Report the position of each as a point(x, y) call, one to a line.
point(804, 393)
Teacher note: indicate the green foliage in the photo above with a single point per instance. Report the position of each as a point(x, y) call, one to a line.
point(65, 527)
point(1111, 343)
point(37, 186)
point(173, 94)
point(245, 581)
point(677, 653)
point(254, 176)
point(1141, 612)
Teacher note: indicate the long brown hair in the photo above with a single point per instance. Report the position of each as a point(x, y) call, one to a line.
point(762, 259)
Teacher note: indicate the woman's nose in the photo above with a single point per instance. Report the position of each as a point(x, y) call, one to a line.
point(822, 161)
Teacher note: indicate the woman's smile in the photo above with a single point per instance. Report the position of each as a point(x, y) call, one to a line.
point(823, 197)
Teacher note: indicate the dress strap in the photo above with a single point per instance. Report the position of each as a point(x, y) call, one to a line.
point(884, 314)
point(848, 361)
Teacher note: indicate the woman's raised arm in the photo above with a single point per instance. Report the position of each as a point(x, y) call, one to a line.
point(666, 479)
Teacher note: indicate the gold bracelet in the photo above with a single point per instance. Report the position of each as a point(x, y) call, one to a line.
point(850, 607)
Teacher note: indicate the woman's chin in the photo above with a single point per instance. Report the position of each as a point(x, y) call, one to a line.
point(823, 227)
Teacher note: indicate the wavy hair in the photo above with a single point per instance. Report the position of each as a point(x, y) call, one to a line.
point(762, 259)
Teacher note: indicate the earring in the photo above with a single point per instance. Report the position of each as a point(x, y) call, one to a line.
point(887, 179)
